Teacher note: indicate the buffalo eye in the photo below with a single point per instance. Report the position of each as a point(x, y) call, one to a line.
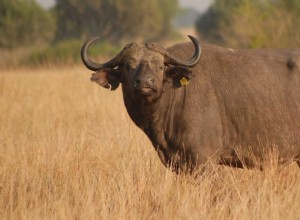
point(128, 67)
point(131, 65)
point(161, 67)
point(158, 64)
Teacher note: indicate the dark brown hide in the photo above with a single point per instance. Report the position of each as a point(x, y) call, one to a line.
point(238, 105)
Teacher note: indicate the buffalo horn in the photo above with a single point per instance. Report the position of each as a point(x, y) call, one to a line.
point(97, 66)
point(171, 60)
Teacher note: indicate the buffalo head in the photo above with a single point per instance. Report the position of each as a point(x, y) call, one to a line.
point(141, 68)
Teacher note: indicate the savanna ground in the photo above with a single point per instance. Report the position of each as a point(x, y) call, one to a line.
point(68, 150)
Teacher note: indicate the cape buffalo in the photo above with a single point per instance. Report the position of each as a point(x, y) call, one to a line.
point(199, 103)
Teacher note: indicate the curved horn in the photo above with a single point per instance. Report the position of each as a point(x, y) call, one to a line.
point(97, 66)
point(171, 60)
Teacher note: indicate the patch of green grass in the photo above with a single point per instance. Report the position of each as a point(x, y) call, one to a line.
point(67, 52)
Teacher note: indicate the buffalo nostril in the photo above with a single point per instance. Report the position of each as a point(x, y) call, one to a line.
point(152, 81)
point(144, 82)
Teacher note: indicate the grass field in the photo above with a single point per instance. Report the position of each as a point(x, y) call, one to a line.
point(68, 150)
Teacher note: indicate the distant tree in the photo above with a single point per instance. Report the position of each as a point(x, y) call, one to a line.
point(23, 22)
point(114, 19)
point(252, 23)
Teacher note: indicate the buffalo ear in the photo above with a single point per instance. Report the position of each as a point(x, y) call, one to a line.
point(177, 74)
point(107, 78)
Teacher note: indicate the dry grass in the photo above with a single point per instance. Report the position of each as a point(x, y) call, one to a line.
point(69, 151)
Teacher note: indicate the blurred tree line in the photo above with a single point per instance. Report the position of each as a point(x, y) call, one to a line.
point(252, 23)
point(115, 19)
point(57, 34)
point(235, 23)
point(24, 22)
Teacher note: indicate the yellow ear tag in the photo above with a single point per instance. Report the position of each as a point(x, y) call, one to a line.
point(184, 81)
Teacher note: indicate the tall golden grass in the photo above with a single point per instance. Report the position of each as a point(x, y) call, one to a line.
point(68, 150)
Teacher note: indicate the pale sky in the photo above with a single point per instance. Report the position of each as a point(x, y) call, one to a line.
point(46, 3)
point(199, 5)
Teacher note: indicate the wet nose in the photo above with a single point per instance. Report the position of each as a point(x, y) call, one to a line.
point(144, 81)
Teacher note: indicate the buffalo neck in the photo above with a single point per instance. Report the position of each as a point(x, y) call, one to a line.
point(157, 119)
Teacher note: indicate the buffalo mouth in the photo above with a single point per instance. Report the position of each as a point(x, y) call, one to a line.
point(144, 91)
